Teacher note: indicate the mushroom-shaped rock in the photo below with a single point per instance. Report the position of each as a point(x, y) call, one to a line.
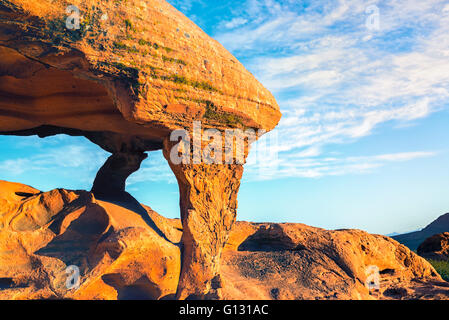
point(126, 74)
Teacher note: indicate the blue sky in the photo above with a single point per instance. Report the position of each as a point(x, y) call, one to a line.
point(363, 142)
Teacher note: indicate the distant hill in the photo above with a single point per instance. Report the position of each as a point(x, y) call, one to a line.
point(413, 239)
point(393, 234)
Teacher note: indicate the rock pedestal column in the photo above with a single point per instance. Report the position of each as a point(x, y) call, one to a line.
point(208, 201)
point(110, 181)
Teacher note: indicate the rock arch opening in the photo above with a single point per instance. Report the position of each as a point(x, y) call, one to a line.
point(34, 94)
point(59, 161)
point(38, 99)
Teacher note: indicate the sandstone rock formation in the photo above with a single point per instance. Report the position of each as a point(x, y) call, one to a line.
point(435, 247)
point(132, 73)
point(206, 196)
point(110, 181)
point(296, 261)
point(125, 75)
point(43, 233)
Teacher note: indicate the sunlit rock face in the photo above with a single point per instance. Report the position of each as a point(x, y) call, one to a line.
point(143, 62)
point(117, 254)
point(136, 254)
point(126, 74)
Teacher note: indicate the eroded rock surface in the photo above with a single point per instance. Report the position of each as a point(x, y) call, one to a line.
point(296, 261)
point(435, 247)
point(132, 73)
point(208, 212)
point(43, 233)
point(134, 62)
point(110, 181)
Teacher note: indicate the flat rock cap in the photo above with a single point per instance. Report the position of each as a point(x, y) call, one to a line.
point(142, 58)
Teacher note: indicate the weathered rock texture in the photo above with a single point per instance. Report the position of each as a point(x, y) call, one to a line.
point(208, 212)
point(131, 62)
point(435, 247)
point(43, 233)
point(296, 261)
point(110, 181)
point(132, 72)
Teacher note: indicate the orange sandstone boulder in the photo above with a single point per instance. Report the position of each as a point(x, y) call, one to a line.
point(134, 254)
point(138, 67)
point(44, 233)
point(435, 247)
point(295, 261)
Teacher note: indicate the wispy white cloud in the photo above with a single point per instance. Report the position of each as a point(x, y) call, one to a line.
point(313, 165)
point(185, 5)
point(234, 23)
point(336, 80)
point(79, 161)
point(154, 168)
